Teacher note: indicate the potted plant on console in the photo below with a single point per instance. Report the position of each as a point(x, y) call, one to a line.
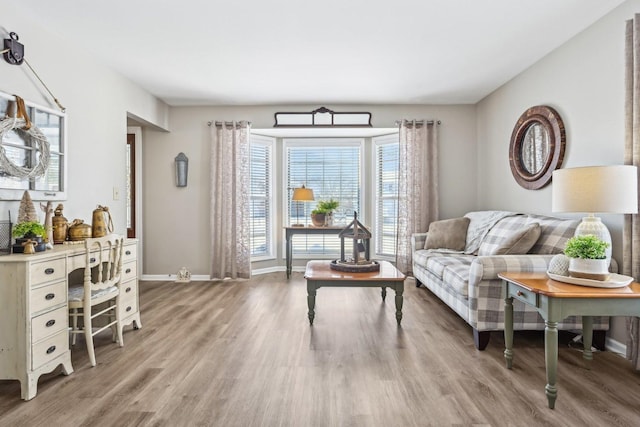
point(322, 215)
point(587, 257)
point(29, 230)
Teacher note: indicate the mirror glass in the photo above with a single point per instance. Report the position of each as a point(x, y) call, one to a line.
point(535, 148)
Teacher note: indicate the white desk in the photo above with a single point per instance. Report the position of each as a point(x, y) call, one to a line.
point(34, 317)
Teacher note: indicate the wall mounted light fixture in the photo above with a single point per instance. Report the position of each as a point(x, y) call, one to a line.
point(182, 170)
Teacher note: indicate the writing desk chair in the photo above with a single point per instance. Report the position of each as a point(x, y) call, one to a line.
point(99, 293)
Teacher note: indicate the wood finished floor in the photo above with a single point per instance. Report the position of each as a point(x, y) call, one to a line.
point(243, 354)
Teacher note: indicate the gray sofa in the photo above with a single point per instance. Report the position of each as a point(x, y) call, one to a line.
point(458, 260)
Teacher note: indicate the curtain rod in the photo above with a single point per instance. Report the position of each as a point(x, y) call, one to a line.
point(209, 123)
point(420, 122)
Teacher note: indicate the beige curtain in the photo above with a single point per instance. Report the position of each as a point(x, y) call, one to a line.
point(631, 230)
point(230, 248)
point(417, 185)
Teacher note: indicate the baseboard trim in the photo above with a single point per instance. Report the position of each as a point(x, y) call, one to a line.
point(172, 277)
point(615, 347)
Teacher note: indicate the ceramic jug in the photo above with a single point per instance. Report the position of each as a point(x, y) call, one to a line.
point(60, 225)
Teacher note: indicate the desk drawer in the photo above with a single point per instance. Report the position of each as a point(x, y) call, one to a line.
point(48, 296)
point(129, 271)
point(129, 253)
point(49, 323)
point(128, 298)
point(524, 295)
point(47, 271)
point(49, 349)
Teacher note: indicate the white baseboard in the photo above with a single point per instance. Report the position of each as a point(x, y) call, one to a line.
point(615, 347)
point(172, 277)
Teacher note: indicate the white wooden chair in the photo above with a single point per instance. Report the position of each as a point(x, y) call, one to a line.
point(99, 293)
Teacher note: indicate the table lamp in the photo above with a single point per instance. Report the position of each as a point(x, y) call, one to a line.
point(301, 194)
point(595, 189)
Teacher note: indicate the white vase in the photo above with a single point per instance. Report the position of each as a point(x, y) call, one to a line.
point(594, 269)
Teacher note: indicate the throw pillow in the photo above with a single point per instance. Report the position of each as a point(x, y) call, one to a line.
point(448, 234)
point(517, 243)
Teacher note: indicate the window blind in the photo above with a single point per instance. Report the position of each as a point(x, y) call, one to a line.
point(386, 215)
point(333, 170)
point(260, 198)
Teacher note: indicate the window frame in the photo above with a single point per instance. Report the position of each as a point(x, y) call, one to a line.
point(376, 142)
point(359, 142)
point(269, 143)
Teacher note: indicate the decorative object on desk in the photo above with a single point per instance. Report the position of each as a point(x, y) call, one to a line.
point(182, 169)
point(60, 225)
point(360, 261)
point(606, 189)
point(48, 222)
point(301, 194)
point(322, 215)
point(27, 210)
point(78, 230)
point(29, 231)
point(102, 223)
point(5, 236)
point(29, 247)
point(184, 275)
point(587, 257)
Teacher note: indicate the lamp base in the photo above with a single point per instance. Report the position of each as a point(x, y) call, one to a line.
point(593, 225)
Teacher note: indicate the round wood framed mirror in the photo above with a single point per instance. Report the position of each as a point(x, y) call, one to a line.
point(537, 146)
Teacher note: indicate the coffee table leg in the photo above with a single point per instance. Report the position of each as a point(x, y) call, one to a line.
point(384, 293)
point(399, 299)
point(551, 360)
point(508, 331)
point(311, 301)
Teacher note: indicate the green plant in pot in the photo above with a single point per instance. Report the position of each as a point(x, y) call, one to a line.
point(587, 257)
point(322, 215)
point(29, 230)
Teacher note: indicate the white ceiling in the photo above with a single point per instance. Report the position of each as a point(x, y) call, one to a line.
point(197, 52)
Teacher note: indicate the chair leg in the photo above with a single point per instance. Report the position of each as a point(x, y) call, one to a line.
point(88, 336)
point(74, 326)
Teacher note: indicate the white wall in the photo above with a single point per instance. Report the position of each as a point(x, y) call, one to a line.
point(176, 222)
point(97, 102)
point(584, 81)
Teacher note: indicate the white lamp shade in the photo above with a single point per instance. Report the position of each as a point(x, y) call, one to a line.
point(595, 189)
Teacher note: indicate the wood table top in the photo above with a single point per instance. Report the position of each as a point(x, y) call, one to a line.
point(321, 270)
point(541, 284)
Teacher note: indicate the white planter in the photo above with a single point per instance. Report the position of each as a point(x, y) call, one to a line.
point(594, 269)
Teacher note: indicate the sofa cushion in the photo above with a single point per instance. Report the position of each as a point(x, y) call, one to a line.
point(451, 269)
point(554, 233)
point(447, 234)
point(510, 242)
point(481, 223)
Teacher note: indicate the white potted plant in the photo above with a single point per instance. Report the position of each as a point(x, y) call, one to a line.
point(587, 257)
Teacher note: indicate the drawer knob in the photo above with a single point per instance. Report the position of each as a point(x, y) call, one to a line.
point(49, 270)
point(127, 252)
point(128, 270)
point(51, 349)
point(128, 289)
point(49, 296)
point(520, 293)
point(128, 309)
point(50, 323)
point(92, 259)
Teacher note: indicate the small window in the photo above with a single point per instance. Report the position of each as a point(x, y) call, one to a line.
point(22, 152)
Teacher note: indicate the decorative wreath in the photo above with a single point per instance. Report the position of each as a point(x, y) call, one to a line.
point(33, 136)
